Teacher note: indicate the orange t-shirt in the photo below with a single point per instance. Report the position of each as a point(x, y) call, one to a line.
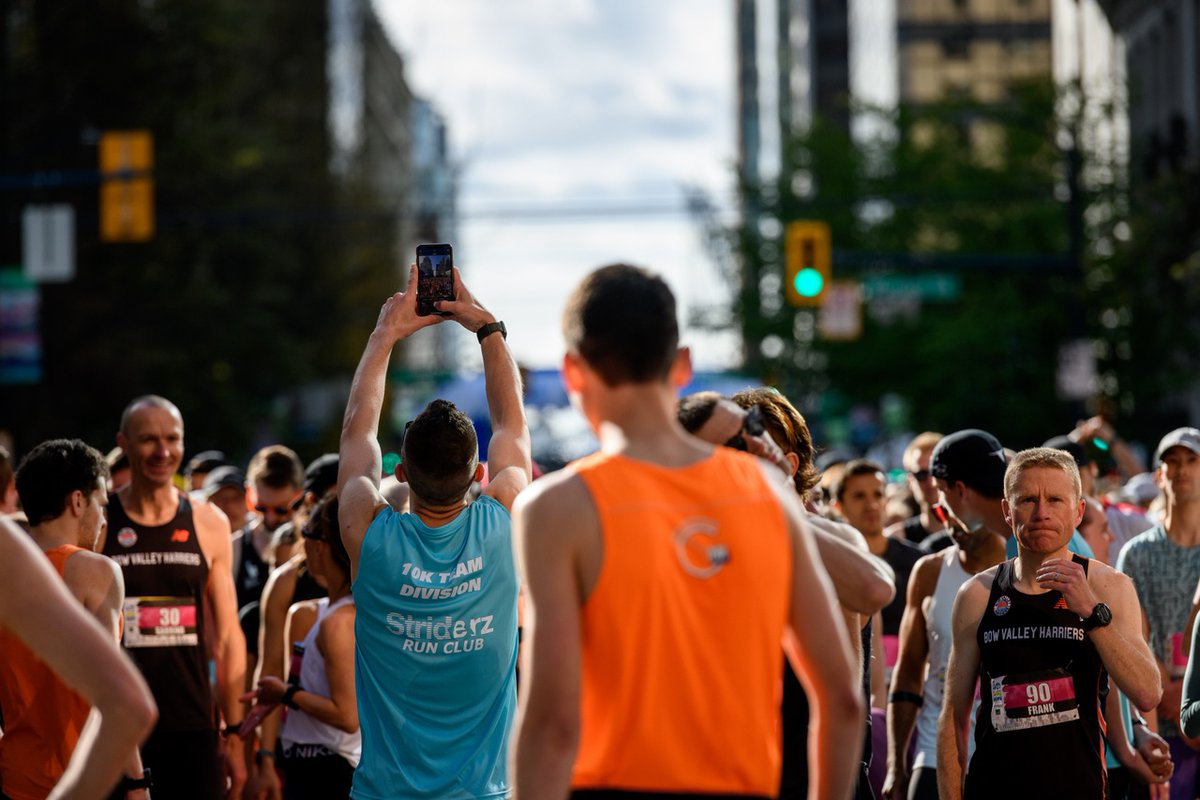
point(42, 715)
point(682, 631)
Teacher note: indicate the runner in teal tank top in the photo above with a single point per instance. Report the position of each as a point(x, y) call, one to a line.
point(436, 588)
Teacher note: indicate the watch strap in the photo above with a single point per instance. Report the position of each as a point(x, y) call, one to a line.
point(289, 696)
point(489, 329)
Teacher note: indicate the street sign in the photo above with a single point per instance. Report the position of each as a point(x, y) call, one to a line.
point(126, 186)
point(925, 285)
point(840, 318)
point(20, 337)
point(48, 243)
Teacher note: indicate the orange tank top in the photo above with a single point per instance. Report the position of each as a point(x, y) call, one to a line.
point(682, 631)
point(42, 716)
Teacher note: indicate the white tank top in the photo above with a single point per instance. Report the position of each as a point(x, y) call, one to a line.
point(299, 727)
point(937, 610)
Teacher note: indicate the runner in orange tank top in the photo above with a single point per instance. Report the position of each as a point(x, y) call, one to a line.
point(62, 488)
point(662, 576)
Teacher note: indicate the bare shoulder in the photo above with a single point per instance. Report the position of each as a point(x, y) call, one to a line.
point(979, 585)
point(556, 493)
point(212, 527)
point(1106, 579)
point(925, 573)
point(839, 530)
point(89, 571)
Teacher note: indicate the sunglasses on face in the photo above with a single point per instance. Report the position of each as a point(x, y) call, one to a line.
point(282, 511)
point(921, 475)
point(752, 424)
point(309, 533)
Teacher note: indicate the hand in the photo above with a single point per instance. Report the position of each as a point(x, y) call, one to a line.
point(1093, 428)
point(465, 309)
point(895, 785)
point(263, 784)
point(233, 766)
point(1068, 577)
point(269, 692)
point(764, 447)
point(1154, 753)
point(398, 318)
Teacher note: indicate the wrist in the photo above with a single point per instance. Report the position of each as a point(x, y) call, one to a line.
point(289, 695)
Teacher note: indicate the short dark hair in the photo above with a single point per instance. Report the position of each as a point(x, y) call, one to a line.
point(859, 466)
point(276, 466)
point(695, 409)
point(52, 471)
point(621, 321)
point(324, 521)
point(439, 453)
point(787, 427)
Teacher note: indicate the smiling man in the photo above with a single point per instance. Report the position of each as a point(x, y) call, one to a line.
point(1042, 633)
point(174, 552)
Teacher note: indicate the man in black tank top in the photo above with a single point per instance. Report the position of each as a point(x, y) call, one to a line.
point(1042, 633)
point(175, 555)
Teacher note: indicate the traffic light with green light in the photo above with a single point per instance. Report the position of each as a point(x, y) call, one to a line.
point(808, 258)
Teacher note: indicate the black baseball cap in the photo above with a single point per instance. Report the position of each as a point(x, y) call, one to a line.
point(205, 461)
point(1078, 452)
point(222, 477)
point(972, 456)
point(321, 474)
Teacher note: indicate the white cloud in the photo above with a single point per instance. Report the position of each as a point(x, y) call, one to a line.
point(584, 104)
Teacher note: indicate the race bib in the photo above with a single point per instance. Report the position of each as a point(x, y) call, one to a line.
point(160, 622)
point(1179, 659)
point(1033, 700)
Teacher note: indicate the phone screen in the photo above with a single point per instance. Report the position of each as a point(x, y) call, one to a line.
point(435, 276)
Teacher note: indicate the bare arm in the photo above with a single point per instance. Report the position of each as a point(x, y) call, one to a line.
point(908, 675)
point(1098, 428)
point(1121, 646)
point(360, 461)
point(961, 677)
point(824, 662)
point(547, 528)
point(36, 606)
point(863, 583)
point(510, 466)
point(335, 640)
point(229, 643)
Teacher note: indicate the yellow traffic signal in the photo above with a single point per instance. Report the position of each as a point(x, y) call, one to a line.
point(808, 256)
point(126, 186)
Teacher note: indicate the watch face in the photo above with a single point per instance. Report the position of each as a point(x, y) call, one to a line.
point(1102, 613)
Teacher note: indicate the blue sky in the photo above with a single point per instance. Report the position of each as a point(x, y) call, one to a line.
point(564, 106)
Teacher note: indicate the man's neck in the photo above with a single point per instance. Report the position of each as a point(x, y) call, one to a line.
point(1027, 567)
point(149, 504)
point(433, 515)
point(980, 550)
point(1182, 523)
point(877, 543)
point(638, 420)
point(56, 533)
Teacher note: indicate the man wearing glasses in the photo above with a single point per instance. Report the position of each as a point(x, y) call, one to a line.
point(436, 588)
point(925, 529)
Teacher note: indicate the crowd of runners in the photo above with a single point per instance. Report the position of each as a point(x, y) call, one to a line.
point(708, 605)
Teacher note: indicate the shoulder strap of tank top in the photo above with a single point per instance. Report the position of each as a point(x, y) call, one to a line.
point(1004, 577)
point(1082, 561)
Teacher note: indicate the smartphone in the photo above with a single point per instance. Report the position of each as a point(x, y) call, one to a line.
point(435, 277)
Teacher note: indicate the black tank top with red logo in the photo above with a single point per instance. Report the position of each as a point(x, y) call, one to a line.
point(164, 613)
point(1042, 687)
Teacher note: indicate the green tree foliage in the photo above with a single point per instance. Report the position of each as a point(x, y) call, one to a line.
point(237, 299)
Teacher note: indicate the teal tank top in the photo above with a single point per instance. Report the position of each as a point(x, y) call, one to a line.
point(435, 655)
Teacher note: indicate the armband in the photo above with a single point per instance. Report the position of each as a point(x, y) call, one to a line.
point(906, 697)
point(129, 784)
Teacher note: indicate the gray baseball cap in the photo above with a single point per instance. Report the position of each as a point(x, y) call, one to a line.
point(1180, 437)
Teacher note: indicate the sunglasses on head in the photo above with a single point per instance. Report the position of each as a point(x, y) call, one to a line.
point(752, 424)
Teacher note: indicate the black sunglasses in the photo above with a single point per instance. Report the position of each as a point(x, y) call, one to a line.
point(309, 533)
point(403, 436)
point(921, 475)
point(752, 424)
point(290, 508)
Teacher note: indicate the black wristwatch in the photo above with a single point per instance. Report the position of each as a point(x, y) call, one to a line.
point(489, 329)
point(1101, 616)
point(128, 784)
point(289, 696)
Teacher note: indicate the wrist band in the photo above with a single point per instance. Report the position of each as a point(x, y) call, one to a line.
point(489, 329)
point(289, 696)
point(263, 752)
point(128, 784)
point(231, 730)
point(906, 697)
